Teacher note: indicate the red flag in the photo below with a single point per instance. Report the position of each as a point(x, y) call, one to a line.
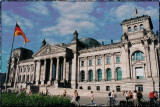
point(18, 31)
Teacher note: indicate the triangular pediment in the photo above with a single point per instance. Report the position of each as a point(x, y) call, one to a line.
point(49, 49)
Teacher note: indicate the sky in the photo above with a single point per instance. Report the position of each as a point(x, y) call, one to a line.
point(57, 21)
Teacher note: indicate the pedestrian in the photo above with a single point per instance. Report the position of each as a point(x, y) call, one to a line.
point(130, 95)
point(75, 98)
point(139, 96)
point(127, 96)
point(64, 93)
point(112, 97)
point(92, 98)
point(155, 96)
point(135, 98)
point(151, 97)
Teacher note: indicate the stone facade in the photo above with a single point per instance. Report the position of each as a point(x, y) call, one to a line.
point(85, 64)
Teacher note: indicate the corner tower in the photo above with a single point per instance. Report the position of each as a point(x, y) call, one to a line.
point(137, 27)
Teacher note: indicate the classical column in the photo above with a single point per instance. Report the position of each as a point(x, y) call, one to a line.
point(34, 72)
point(94, 70)
point(147, 59)
point(15, 80)
point(38, 70)
point(44, 76)
point(50, 73)
point(113, 67)
point(86, 69)
point(57, 69)
point(127, 63)
point(30, 74)
point(103, 68)
point(25, 74)
point(64, 68)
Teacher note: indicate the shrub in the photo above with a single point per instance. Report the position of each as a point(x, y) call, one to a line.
point(21, 99)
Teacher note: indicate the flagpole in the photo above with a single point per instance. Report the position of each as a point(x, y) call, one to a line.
point(9, 63)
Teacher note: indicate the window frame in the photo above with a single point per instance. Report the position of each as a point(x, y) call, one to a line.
point(90, 62)
point(99, 61)
point(82, 63)
point(108, 60)
point(135, 28)
point(118, 59)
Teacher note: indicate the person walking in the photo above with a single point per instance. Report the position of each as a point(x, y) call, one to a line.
point(75, 98)
point(92, 98)
point(112, 98)
point(151, 97)
point(155, 96)
point(127, 96)
point(135, 98)
point(140, 97)
point(64, 93)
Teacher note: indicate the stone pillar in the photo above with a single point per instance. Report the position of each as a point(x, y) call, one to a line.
point(44, 76)
point(57, 69)
point(86, 69)
point(38, 70)
point(127, 64)
point(34, 72)
point(113, 67)
point(74, 71)
point(78, 75)
point(25, 74)
point(50, 73)
point(147, 59)
point(64, 68)
point(30, 74)
point(154, 60)
point(94, 70)
point(15, 80)
point(103, 68)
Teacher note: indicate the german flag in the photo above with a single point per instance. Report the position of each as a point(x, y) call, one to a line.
point(18, 31)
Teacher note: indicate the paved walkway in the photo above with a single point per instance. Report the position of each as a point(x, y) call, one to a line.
point(101, 98)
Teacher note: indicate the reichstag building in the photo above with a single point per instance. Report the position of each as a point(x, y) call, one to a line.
point(86, 64)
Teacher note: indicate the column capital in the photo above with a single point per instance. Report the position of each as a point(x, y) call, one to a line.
point(57, 57)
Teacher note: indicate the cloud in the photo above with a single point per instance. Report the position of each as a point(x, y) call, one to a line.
point(127, 11)
point(38, 8)
point(51, 41)
point(9, 19)
point(73, 16)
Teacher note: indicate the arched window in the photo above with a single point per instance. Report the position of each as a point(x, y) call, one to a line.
point(99, 72)
point(82, 76)
point(129, 29)
point(138, 55)
point(90, 75)
point(119, 74)
point(141, 27)
point(135, 28)
point(109, 74)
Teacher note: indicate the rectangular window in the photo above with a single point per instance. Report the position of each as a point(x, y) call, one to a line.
point(82, 63)
point(108, 60)
point(89, 87)
point(118, 88)
point(107, 88)
point(90, 62)
point(98, 88)
point(99, 62)
point(117, 59)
